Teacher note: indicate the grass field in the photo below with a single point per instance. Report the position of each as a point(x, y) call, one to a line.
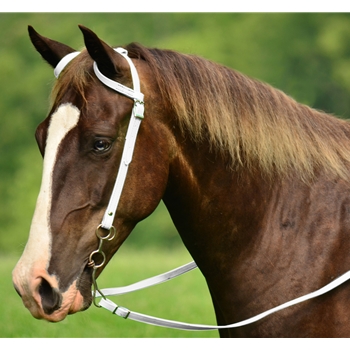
point(183, 299)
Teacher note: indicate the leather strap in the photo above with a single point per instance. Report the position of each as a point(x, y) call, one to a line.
point(134, 93)
point(149, 281)
point(126, 313)
point(137, 115)
point(63, 62)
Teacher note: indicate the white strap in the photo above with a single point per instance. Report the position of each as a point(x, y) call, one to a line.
point(122, 89)
point(128, 150)
point(125, 313)
point(131, 135)
point(134, 93)
point(63, 62)
point(149, 281)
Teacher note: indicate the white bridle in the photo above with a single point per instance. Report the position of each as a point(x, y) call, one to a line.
point(137, 115)
point(108, 218)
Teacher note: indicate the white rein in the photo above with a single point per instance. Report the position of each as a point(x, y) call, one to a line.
point(107, 221)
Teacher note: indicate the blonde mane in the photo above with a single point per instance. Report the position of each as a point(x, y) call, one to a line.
point(258, 126)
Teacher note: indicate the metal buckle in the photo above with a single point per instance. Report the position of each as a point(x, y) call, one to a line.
point(122, 312)
point(139, 109)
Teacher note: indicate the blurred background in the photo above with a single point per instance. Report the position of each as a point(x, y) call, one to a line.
point(307, 55)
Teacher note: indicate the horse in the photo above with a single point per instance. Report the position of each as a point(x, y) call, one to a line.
point(257, 186)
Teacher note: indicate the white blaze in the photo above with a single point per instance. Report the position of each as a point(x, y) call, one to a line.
point(37, 250)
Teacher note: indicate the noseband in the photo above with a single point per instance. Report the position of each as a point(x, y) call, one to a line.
point(137, 115)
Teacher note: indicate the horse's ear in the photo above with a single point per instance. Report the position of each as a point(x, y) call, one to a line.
point(110, 63)
point(51, 50)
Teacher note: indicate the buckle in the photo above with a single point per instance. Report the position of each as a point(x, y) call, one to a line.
point(122, 312)
point(139, 109)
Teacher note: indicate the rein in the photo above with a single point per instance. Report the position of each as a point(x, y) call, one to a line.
point(127, 314)
point(137, 115)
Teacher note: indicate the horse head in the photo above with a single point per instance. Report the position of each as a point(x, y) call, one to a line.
point(81, 142)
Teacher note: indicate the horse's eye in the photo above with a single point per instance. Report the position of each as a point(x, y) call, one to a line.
point(101, 145)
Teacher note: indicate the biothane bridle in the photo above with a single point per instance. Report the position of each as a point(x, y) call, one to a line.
point(137, 115)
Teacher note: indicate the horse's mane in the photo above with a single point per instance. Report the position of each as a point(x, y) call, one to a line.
point(258, 126)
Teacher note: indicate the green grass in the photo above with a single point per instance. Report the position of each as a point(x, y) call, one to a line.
point(183, 299)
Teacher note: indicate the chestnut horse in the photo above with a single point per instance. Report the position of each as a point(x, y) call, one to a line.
point(256, 184)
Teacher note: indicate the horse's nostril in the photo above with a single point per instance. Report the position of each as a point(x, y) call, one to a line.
point(51, 298)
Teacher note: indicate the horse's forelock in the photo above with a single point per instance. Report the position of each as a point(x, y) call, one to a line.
point(77, 75)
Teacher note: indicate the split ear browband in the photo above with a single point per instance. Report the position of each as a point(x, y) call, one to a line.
point(63, 62)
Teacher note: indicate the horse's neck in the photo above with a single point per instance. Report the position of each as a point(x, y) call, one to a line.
point(249, 236)
point(258, 243)
point(211, 205)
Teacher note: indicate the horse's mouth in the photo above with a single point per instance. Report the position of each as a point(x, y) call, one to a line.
point(45, 301)
point(84, 284)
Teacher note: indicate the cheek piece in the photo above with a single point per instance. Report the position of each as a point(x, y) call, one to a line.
point(137, 115)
